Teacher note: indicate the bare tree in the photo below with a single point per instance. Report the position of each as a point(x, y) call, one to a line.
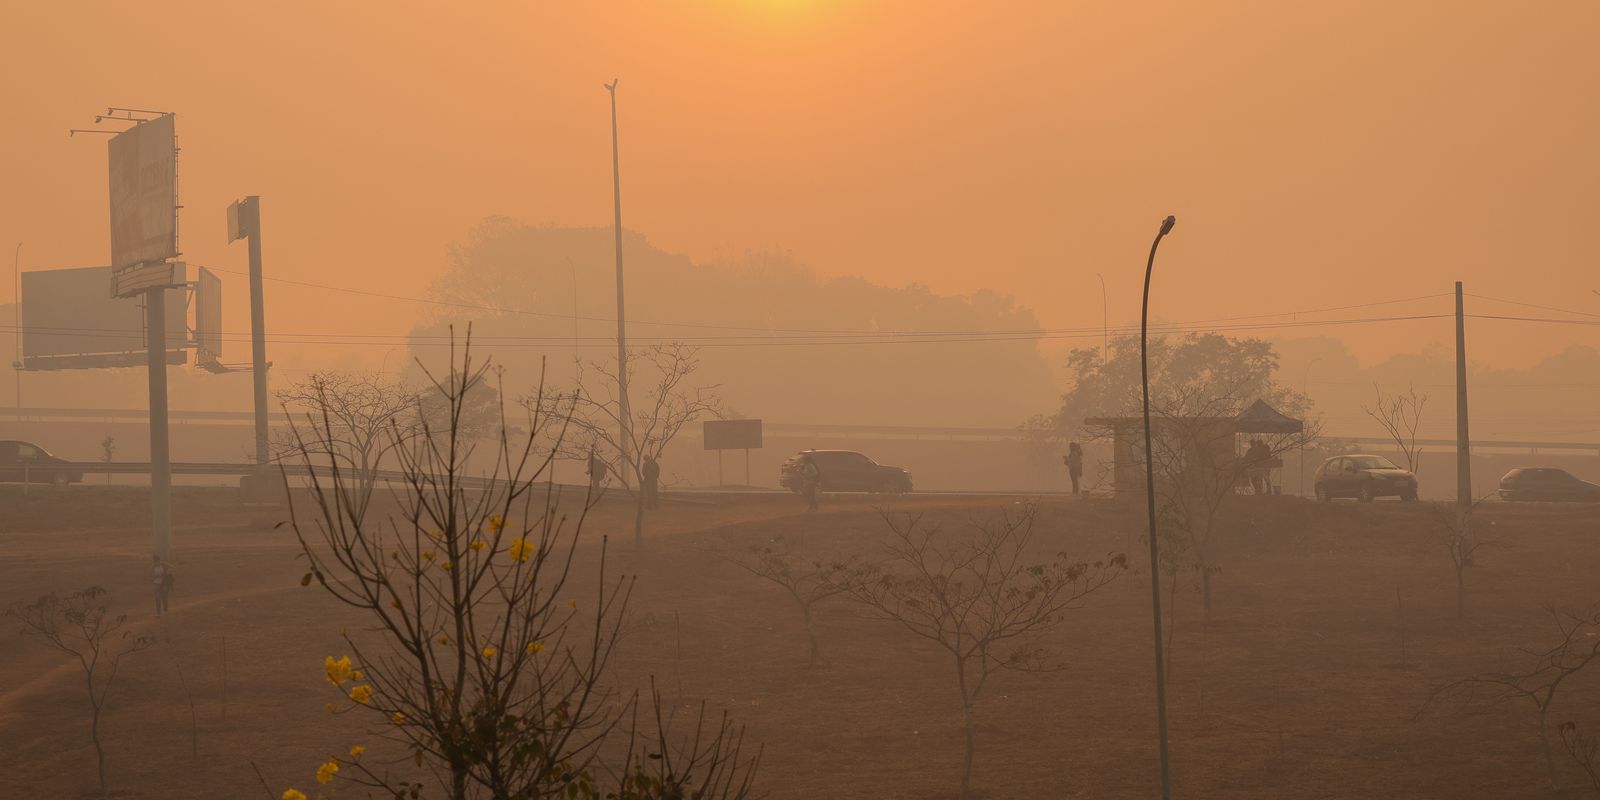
point(80, 625)
point(351, 420)
point(658, 415)
point(1584, 751)
point(1199, 471)
point(807, 581)
point(976, 598)
point(475, 658)
point(1577, 646)
point(1452, 532)
point(1400, 415)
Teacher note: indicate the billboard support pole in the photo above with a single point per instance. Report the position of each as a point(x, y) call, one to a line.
point(155, 303)
point(258, 327)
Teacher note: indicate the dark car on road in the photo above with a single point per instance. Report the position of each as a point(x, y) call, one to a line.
point(1365, 478)
point(1548, 484)
point(25, 461)
point(845, 471)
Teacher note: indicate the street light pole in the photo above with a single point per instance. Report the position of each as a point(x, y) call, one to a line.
point(624, 414)
point(16, 313)
point(1305, 389)
point(1150, 497)
point(1105, 320)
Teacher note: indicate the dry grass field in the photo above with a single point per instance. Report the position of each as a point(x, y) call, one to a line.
point(1296, 688)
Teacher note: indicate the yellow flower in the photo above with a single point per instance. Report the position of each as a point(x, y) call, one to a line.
point(447, 566)
point(395, 603)
point(361, 694)
point(443, 639)
point(427, 555)
point(337, 671)
point(326, 771)
point(358, 675)
point(534, 647)
point(398, 718)
point(293, 794)
point(435, 534)
point(356, 751)
point(478, 544)
point(572, 602)
point(328, 707)
point(497, 523)
point(520, 549)
point(490, 652)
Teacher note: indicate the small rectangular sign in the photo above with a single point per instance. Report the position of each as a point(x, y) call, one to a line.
point(129, 281)
point(732, 434)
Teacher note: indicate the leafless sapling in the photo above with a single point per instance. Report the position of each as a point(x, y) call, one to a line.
point(977, 598)
point(807, 581)
point(1584, 750)
point(655, 417)
point(351, 422)
point(1451, 531)
point(475, 659)
point(1400, 415)
point(1577, 646)
point(81, 625)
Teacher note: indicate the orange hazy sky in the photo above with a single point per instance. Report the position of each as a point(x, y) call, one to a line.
point(1316, 154)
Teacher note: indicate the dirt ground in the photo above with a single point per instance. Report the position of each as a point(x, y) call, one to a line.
point(1297, 687)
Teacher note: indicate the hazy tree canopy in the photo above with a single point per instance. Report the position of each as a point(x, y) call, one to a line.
point(758, 319)
point(1205, 366)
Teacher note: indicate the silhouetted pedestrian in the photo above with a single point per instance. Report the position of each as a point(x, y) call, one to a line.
point(1257, 458)
point(651, 475)
point(810, 481)
point(162, 578)
point(1074, 461)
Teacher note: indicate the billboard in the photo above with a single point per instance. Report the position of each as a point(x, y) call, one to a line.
point(144, 192)
point(731, 434)
point(208, 315)
point(71, 321)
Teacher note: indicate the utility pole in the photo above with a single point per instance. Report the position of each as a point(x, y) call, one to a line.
point(16, 313)
point(155, 305)
point(1105, 320)
point(624, 413)
point(244, 221)
point(1463, 440)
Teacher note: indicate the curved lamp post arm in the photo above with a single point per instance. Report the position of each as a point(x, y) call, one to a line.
point(1150, 496)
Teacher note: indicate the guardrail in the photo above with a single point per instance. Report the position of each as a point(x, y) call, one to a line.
point(779, 428)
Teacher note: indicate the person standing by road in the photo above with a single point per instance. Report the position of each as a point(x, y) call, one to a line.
point(1074, 461)
point(810, 481)
point(162, 578)
point(651, 475)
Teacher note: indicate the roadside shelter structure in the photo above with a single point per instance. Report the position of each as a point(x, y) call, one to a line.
point(1191, 445)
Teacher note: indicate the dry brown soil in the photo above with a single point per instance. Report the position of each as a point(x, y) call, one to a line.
point(1296, 688)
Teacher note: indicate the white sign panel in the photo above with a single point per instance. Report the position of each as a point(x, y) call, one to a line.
point(68, 312)
point(208, 313)
point(144, 193)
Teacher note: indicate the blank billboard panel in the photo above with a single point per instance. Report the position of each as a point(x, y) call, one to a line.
point(732, 434)
point(144, 192)
point(208, 314)
point(70, 312)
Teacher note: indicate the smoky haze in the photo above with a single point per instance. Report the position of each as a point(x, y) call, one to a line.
point(886, 484)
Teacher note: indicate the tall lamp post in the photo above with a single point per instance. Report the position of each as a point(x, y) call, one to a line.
point(1150, 497)
point(624, 414)
point(1105, 320)
point(1305, 389)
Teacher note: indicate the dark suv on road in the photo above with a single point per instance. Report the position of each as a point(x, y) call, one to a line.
point(1365, 478)
point(25, 461)
point(1547, 483)
point(844, 471)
